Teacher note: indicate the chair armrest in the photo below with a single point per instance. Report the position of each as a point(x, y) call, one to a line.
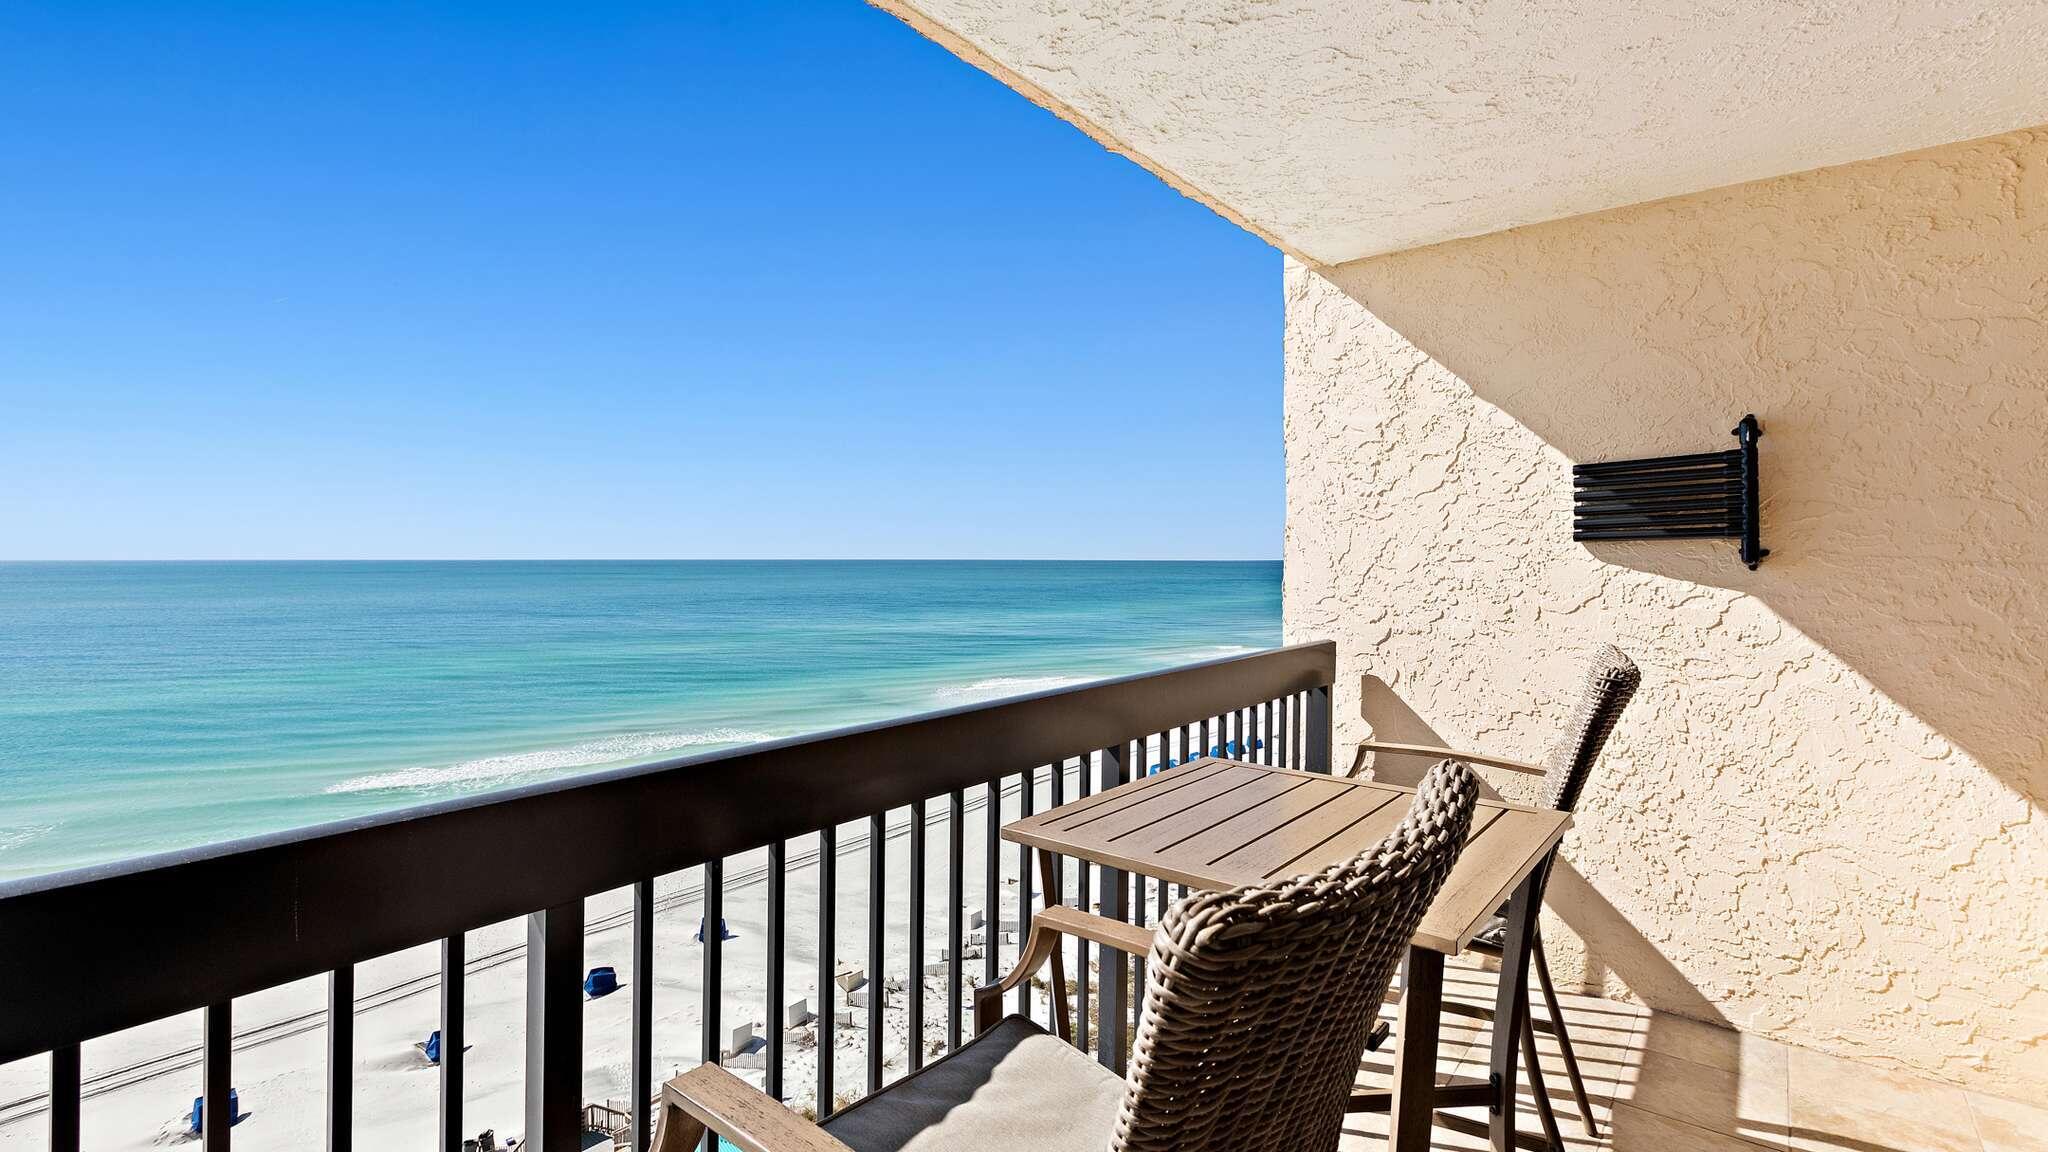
point(708, 1096)
point(1047, 926)
point(1358, 762)
point(1116, 934)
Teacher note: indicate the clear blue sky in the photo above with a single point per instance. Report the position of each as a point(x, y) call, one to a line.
point(564, 280)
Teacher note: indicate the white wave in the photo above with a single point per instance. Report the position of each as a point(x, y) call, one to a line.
point(16, 836)
point(1218, 652)
point(999, 686)
point(494, 769)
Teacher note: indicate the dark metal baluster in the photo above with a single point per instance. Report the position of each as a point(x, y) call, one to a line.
point(341, 1059)
point(956, 940)
point(992, 883)
point(778, 986)
point(217, 1118)
point(711, 1045)
point(1294, 731)
point(1166, 753)
point(1058, 895)
point(1082, 947)
point(828, 964)
point(642, 992)
point(1165, 740)
point(1186, 743)
point(554, 1029)
point(1317, 722)
point(878, 841)
point(1137, 906)
point(1293, 736)
point(1027, 793)
point(452, 972)
point(915, 985)
point(64, 1082)
point(1109, 1040)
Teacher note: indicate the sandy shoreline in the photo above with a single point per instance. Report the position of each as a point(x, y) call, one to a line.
point(152, 1072)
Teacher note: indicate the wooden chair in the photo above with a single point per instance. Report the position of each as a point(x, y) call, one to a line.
point(1610, 682)
point(1257, 1001)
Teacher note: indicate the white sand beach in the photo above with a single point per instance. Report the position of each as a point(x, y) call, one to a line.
point(140, 1083)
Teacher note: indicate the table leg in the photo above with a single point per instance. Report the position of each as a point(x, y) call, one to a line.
point(1414, 1105)
point(1049, 879)
point(1510, 1006)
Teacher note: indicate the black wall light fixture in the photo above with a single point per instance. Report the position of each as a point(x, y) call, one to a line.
point(1701, 496)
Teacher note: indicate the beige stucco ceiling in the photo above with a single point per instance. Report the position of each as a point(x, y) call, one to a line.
point(1346, 128)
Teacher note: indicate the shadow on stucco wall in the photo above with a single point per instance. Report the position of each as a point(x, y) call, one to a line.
point(1824, 804)
point(1887, 321)
point(1624, 953)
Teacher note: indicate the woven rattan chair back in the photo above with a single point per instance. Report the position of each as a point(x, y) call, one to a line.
point(1258, 999)
point(1611, 680)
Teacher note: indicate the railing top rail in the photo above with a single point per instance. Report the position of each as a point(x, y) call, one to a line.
point(94, 950)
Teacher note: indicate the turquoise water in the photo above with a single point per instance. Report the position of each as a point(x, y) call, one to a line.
point(151, 706)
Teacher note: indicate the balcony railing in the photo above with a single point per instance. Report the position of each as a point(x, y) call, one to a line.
point(90, 952)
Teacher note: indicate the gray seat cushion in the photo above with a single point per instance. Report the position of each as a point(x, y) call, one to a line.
point(1014, 1088)
point(1494, 936)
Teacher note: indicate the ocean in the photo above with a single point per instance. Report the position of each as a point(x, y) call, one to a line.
point(147, 706)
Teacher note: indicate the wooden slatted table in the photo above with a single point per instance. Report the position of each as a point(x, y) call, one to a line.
point(1215, 823)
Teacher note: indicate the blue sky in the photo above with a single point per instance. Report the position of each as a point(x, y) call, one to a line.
point(688, 279)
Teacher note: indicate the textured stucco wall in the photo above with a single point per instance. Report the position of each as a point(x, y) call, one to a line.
point(1822, 819)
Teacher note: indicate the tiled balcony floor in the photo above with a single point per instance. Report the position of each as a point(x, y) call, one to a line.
point(1663, 1083)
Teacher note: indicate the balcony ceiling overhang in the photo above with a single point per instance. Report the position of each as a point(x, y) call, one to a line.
point(1339, 129)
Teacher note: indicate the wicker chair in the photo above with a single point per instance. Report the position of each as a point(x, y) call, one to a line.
point(1257, 1002)
point(1610, 682)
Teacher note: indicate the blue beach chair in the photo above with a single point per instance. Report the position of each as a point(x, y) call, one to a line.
point(196, 1123)
point(602, 981)
point(431, 1047)
point(724, 933)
